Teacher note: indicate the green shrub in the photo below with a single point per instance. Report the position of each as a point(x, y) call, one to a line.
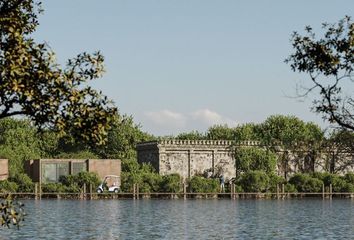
point(199, 184)
point(275, 180)
point(290, 188)
point(53, 188)
point(349, 178)
point(255, 159)
point(7, 186)
point(68, 180)
point(171, 183)
point(71, 188)
point(24, 182)
point(321, 175)
point(150, 182)
point(338, 183)
point(348, 188)
point(74, 183)
point(306, 183)
point(254, 181)
point(87, 178)
point(238, 189)
point(127, 181)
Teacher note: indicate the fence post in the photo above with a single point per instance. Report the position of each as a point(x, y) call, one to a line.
point(330, 191)
point(90, 191)
point(133, 190)
point(234, 190)
point(35, 191)
point(40, 190)
point(84, 195)
point(184, 191)
point(277, 191)
point(283, 190)
point(231, 190)
point(323, 191)
point(137, 191)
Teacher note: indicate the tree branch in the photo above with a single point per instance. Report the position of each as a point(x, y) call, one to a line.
point(6, 8)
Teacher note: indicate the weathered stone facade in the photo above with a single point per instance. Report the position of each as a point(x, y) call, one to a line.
point(187, 157)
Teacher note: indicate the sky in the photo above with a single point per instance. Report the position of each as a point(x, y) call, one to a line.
point(182, 65)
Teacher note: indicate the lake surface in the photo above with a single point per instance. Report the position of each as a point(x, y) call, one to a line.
point(186, 219)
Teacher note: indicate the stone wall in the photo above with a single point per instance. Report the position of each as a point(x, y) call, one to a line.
point(191, 157)
point(187, 157)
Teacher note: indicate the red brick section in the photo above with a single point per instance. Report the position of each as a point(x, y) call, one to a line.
point(4, 169)
point(105, 167)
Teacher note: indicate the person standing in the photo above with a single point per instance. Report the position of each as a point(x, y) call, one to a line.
point(222, 183)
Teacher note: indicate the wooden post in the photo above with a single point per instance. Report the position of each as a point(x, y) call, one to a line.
point(40, 190)
point(323, 191)
point(134, 191)
point(184, 191)
point(231, 190)
point(84, 193)
point(90, 191)
point(36, 191)
point(330, 191)
point(283, 190)
point(277, 191)
point(137, 191)
point(234, 190)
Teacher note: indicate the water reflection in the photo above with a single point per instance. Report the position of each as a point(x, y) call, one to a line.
point(190, 219)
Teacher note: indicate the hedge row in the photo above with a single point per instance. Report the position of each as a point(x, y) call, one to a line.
point(252, 181)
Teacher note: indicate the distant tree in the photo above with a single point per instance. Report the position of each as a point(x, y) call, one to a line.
point(19, 142)
point(295, 139)
point(253, 158)
point(329, 61)
point(248, 131)
point(339, 148)
point(193, 135)
point(221, 132)
point(33, 84)
point(123, 137)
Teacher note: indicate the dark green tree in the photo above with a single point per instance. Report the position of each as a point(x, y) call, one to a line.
point(122, 139)
point(338, 149)
point(19, 142)
point(193, 135)
point(298, 141)
point(221, 132)
point(248, 131)
point(329, 62)
point(252, 158)
point(33, 84)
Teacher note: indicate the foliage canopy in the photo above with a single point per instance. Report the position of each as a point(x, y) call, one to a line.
point(33, 84)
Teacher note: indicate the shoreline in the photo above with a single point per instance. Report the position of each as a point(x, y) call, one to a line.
point(171, 196)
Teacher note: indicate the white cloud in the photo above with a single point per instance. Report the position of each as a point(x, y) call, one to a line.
point(166, 118)
point(209, 118)
point(166, 122)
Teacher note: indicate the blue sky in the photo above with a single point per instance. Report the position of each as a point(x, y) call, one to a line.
point(181, 65)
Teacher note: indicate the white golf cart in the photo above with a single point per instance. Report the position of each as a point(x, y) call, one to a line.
point(111, 183)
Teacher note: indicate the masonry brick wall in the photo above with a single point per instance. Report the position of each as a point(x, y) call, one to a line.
point(4, 169)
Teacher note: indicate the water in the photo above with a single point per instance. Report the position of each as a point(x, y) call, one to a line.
point(190, 219)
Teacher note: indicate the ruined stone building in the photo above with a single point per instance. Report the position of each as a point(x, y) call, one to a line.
point(191, 157)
